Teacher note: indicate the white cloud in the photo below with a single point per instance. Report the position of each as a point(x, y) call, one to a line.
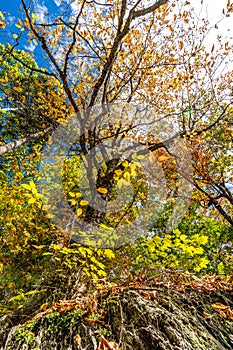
point(57, 2)
point(75, 8)
point(41, 11)
point(30, 47)
point(74, 5)
point(11, 19)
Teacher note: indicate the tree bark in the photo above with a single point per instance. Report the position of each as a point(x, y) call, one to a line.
point(167, 320)
point(16, 143)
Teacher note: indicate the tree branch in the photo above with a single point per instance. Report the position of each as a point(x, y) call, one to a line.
point(16, 143)
point(149, 9)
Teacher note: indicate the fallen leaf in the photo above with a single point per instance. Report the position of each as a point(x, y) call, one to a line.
point(77, 340)
point(104, 344)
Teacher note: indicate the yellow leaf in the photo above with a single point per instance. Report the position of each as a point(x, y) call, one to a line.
point(50, 215)
point(106, 227)
point(72, 201)
point(72, 194)
point(177, 232)
point(203, 239)
point(109, 253)
point(133, 166)
point(34, 190)
point(31, 200)
point(34, 16)
point(118, 172)
point(218, 305)
point(138, 164)
point(83, 202)
point(126, 175)
point(123, 182)
point(79, 211)
point(32, 185)
point(44, 306)
point(38, 246)
point(28, 187)
point(15, 36)
point(55, 246)
point(125, 163)
point(46, 207)
point(102, 190)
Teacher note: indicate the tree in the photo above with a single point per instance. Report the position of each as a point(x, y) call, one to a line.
point(213, 169)
point(131, 90)
point(27, 99)
point(129, 53)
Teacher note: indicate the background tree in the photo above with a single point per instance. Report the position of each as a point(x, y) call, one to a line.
point(31, 102)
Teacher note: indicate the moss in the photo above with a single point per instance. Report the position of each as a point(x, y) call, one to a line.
point(52, 324)
point(56, 322)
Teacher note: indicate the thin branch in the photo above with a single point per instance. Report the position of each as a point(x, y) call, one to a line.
point(73, 40)
point(149, 9)
point(33, 69)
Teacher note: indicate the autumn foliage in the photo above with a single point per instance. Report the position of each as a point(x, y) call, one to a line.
point(153, 126)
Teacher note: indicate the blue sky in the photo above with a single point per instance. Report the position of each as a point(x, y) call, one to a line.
point(11, 11)
point(11, 6)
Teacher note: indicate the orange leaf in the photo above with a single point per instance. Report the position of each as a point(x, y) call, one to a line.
point(161, 158)
point(219, 306)
point(17, 88)
point(77, 340)
point(104, 344)
point(102, 190)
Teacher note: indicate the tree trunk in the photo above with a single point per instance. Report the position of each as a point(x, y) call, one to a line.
point(131, 319)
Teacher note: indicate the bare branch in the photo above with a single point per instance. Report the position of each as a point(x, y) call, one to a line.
point(149, 9)
point(73, 40)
